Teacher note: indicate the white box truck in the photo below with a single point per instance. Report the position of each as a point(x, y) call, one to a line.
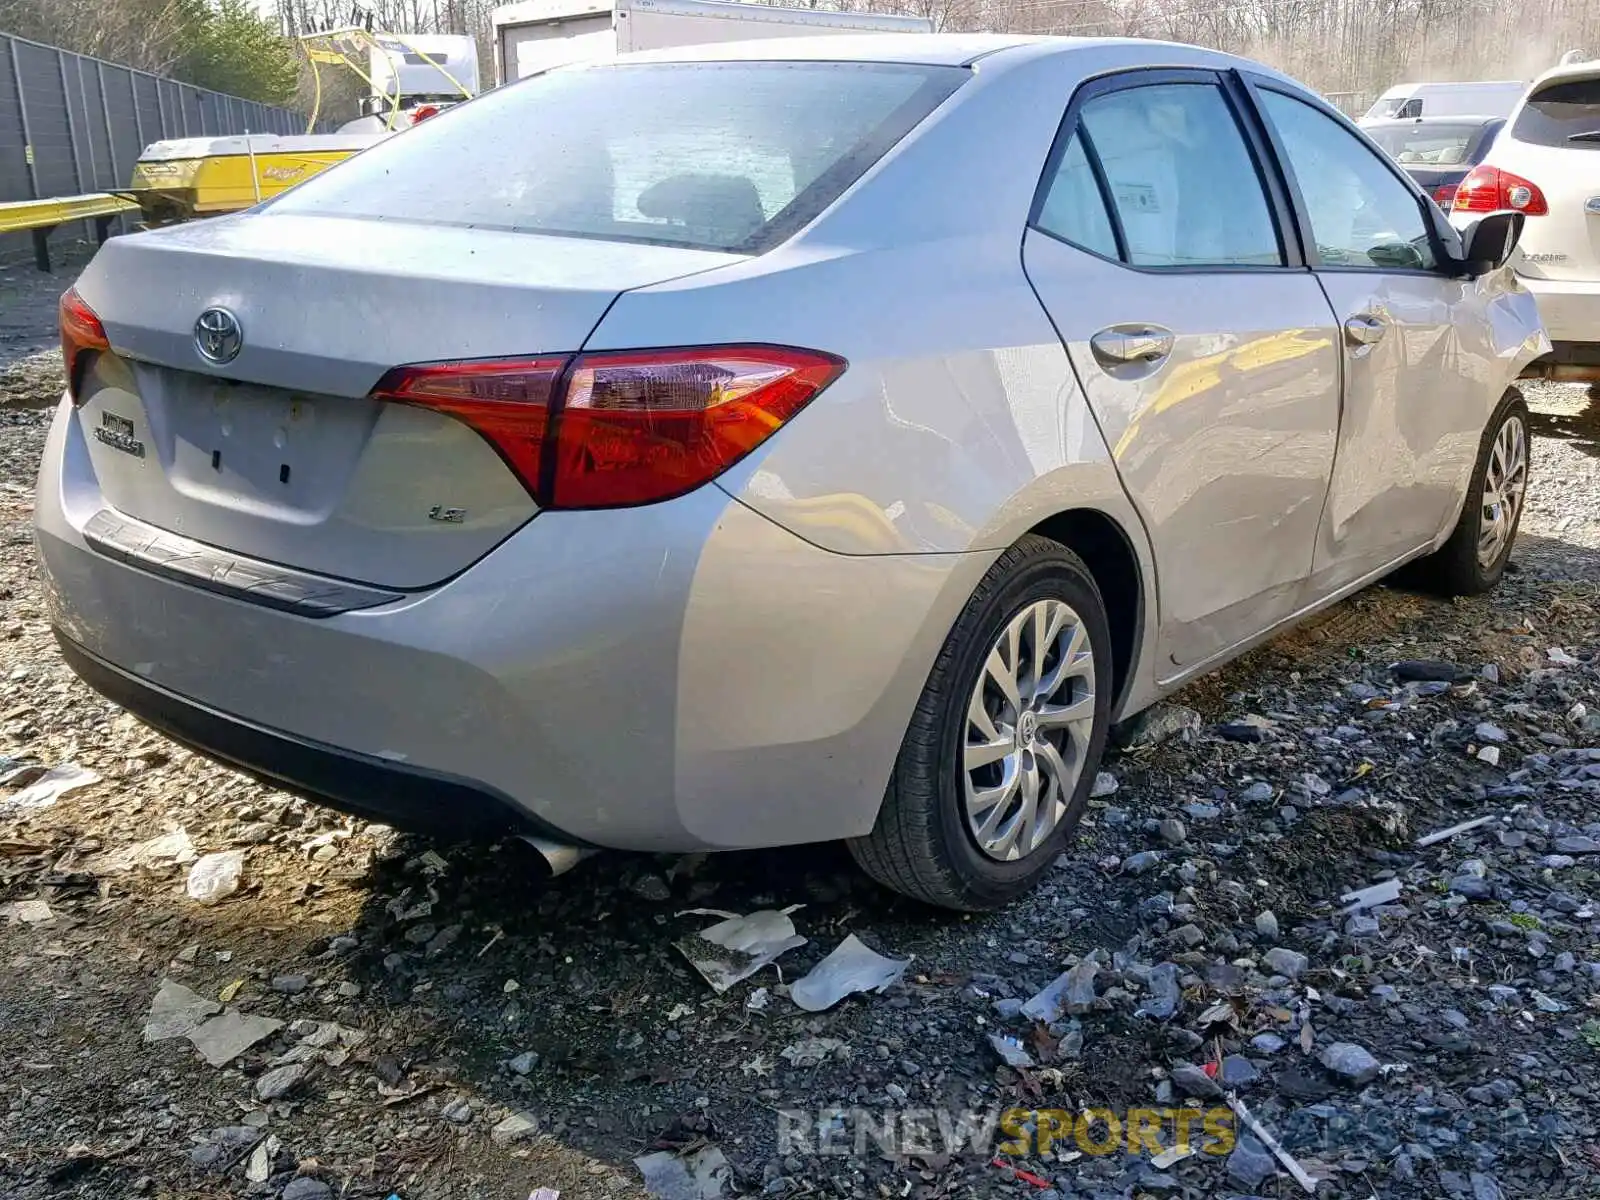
point(535, 35)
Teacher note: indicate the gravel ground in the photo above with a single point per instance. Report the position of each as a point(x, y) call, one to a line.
point(451, 1026)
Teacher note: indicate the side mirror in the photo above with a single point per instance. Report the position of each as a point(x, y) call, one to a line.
point(1489, 242)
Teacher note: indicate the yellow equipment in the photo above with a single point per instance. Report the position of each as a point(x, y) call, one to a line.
point(203, 177)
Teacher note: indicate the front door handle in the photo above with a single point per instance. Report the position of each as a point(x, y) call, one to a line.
point(1365, 329)
point(1126, 344)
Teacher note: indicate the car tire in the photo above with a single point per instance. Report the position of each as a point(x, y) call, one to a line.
point(1458, 568)
point(926, 843)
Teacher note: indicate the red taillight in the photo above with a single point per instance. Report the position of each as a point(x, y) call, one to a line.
point(645, 426)
point(1489, 189)
point(611, 430)
point(423, 111)
point(506, 400)
point(1444, 195)
point(81, 332)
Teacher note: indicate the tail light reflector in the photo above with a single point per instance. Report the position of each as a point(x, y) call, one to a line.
point(617, 429)
point(1489, 189)
point(81, 333)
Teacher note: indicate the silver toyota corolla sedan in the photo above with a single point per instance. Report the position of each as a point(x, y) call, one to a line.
point(771, 443)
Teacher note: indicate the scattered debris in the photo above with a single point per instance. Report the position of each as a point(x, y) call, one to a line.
point(1290, 1163)
point(223, 1038)
point(1426, 671)
point(852, 967)
point(738, 947)
point(1485, 977)
point(258, 1169)
point(1071, 992)
point(1010, 1050)
point(280, 1081)
point(1173, 1155)
point(514, 1127)
point(215, 877)
point(1020, 1175)
point(811, 1052)
point(169, 849)
point(1160, 723)
point(1455, 830)
point(49, 788)
point(701, 1175)
point(1386, 892)
point(175, 1010)
point(29, 912)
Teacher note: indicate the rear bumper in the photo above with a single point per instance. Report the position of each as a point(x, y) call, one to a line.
point(407, 797)
point(1570, 310)
point(681, 676)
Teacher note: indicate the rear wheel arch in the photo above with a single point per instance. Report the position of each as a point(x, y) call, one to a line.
point(1107, 550)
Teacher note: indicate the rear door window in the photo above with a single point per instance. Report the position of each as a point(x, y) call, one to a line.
point(1074, 209)
point(1182, 183)
point(730, 156)
point(1564, 113)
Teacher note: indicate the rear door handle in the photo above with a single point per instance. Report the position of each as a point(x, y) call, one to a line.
point(1126, 344)
point(1365, 329)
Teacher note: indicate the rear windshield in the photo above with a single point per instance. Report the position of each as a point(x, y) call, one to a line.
point(1428, 145)
point(1562, 114)
point(717, 156)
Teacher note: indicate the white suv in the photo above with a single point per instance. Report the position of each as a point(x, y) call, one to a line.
point(1546, 163)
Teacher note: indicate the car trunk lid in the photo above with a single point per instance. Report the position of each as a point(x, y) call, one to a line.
point(277, 453)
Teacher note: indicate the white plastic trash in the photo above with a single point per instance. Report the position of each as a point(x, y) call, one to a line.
point(216, 876)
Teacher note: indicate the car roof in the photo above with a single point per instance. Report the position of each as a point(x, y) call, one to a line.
point(1589, 69)
point(927, 49)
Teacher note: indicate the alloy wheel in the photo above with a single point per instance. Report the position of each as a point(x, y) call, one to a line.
point(1505, 480)
point(1029, 722)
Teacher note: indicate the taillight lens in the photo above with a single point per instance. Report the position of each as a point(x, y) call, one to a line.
point(423, 111)
point(81, 333)
point(646, 426)
point(1489, 189)
point(618, 429)
point(1444, 195)
point(505, 400)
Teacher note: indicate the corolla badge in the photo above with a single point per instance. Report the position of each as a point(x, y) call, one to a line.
point(217, 336)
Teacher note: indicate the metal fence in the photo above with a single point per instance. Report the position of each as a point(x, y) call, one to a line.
point(70, 124)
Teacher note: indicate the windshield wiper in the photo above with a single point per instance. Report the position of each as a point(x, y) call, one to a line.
point(1592, 135)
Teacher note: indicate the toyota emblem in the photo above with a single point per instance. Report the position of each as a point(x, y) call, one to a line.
point(217, 336)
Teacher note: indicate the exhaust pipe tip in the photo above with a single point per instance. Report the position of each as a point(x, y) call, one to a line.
point(558, 856)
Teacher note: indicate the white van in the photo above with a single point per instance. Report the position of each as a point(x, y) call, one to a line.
point(1495, 99)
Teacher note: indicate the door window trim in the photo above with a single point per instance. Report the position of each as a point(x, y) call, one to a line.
point(1251, 128)
point(1253, 85)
